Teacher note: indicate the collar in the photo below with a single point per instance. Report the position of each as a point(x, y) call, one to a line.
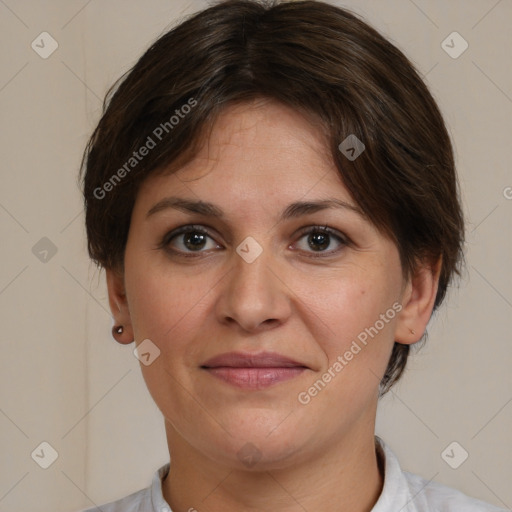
point(395, 495)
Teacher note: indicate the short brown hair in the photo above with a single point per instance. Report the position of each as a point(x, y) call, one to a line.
point(315, 58)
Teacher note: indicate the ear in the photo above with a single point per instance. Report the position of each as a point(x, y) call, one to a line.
point(418, 302)
point(119, 306)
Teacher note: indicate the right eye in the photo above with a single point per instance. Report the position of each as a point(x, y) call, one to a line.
point(188, 239)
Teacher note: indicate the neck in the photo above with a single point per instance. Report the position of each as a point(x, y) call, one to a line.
point(346, 477)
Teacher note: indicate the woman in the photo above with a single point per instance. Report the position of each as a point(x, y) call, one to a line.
point(271, 190)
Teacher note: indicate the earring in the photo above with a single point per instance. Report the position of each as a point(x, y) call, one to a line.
point(117, 329)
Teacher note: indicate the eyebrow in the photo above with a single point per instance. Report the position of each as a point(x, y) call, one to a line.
point(293, 210)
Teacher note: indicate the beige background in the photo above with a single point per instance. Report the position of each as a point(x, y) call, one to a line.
point(63, 378)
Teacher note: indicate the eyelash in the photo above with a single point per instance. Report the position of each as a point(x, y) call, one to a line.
point(344, 241)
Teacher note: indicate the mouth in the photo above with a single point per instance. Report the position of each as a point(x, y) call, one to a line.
point(253, 371)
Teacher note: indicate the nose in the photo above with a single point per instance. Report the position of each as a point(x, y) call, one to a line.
point(254, 296)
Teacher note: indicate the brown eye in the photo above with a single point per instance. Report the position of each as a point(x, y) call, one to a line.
point(320, 238)
point(188, 239)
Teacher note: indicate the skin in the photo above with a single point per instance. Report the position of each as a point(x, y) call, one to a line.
point(318, 456)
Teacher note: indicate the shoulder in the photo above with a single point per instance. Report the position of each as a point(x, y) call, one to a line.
point(412, 493)
point(139, 501)
point(146, 500)
point(428, 495)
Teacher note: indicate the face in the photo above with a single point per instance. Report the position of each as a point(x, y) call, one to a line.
point(254, 301)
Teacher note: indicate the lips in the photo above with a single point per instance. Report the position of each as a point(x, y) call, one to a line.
point(253, 371)
point(244, 360)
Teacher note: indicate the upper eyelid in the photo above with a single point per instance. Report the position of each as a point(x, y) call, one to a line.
point(208, 231)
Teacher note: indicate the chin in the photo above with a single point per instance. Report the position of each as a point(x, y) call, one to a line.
point(260, 454)
point(258, 444)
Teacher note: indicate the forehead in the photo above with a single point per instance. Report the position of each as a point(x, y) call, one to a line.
point(260, 147)
point(256, 123)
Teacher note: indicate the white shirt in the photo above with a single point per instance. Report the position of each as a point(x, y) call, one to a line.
point(402, 491)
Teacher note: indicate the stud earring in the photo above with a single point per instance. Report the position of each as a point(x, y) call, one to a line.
point(117, 329)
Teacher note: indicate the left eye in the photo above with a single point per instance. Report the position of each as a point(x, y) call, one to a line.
point(320, 237)
point(193, 239)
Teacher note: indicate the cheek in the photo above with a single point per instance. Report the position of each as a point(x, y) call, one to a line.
point(346, 305)
point(160, 307)
point(154, 296)
point(356, 335)
point(168, 307)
